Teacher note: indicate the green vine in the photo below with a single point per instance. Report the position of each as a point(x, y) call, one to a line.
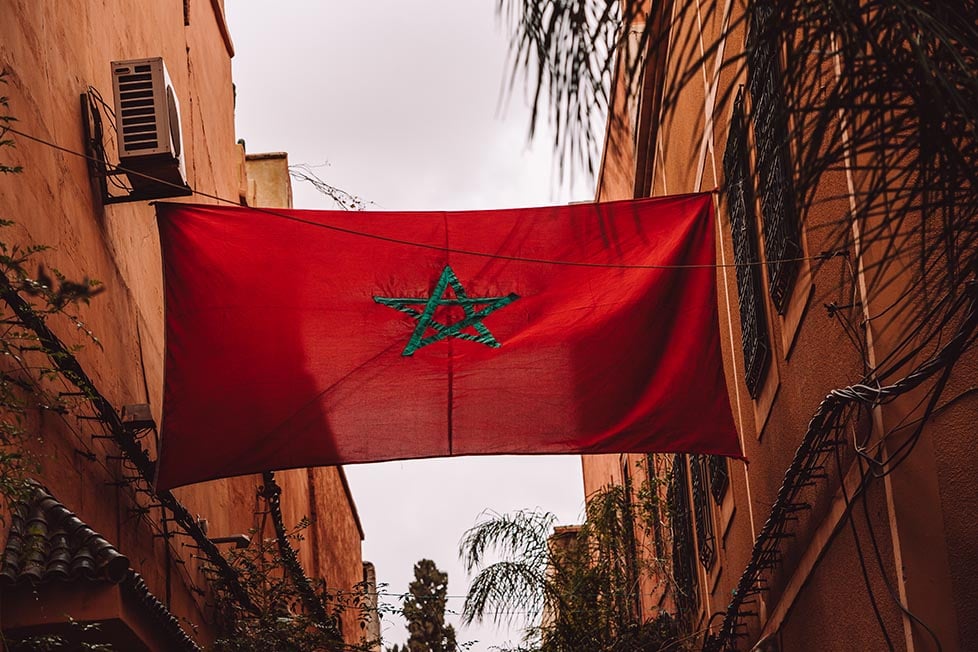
point(5, 121)
point(282, 620)
point(260, 605)
point(26, 375)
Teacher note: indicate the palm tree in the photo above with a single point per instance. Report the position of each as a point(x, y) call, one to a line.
point(898, 107)
point(572, 588)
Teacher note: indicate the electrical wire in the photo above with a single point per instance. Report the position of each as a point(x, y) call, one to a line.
point(886, 582)
point(951, 351)
point(834, 411)
point(96, 141)
point(859, 552)
point(410, 243)
point(110, 112)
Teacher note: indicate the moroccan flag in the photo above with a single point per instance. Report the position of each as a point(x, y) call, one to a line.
point(304, 338)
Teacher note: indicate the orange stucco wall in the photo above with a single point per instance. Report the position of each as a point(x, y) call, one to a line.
point(55, 51)
point(922, 516)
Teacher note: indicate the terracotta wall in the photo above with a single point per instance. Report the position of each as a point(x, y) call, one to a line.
point(55, 51)
point(922, 516)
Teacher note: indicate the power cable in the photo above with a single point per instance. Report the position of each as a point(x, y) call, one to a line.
point(859, 552)
point(818, 440)
point(421, 245)
point(886, 581)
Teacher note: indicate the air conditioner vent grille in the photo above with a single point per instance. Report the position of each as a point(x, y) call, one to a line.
point(139, 128)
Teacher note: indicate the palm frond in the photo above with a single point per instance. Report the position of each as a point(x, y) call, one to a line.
point(880, 107)
point(506, 592)
point(520, 535)
point(567, 49)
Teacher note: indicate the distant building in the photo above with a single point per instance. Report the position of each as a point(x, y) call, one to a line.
point(812, 556)
point(372, 624)
point(88, 544)
point(563, 539)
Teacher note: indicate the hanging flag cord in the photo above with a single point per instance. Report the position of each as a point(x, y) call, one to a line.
point(825, 436)
point(409, 243)
point(272, 494)
point(65, 362)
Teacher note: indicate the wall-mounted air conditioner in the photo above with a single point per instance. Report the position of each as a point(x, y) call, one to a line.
point(148, 124)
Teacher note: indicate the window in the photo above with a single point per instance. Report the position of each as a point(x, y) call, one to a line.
point(683, 571)
point(701, 510)
point(719, 477)
point(770, 114)
point(743, 227)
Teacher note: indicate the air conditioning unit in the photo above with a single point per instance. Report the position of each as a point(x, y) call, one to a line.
point(148, 124)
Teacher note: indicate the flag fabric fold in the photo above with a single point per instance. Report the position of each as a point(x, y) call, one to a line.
point(306, 338)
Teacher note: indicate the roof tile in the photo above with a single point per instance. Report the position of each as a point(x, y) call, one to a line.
point(48, 543)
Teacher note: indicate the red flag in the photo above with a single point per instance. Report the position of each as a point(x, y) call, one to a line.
point(304, 338)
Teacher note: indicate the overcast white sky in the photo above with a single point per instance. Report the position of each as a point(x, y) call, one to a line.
point(402, 100)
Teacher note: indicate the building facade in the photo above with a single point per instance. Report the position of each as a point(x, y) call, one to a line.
point(852, 527)
point(90, 541)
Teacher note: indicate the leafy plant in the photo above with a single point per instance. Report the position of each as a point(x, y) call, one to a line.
point(74, 641)
point(26, 375)
point(883, 91)
point(281, 621)
point(5, 121)
point(572, 588)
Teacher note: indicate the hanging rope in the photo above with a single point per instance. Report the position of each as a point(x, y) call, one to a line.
point(293, 216)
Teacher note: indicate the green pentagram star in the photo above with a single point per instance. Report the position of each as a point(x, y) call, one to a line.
point(426, 317)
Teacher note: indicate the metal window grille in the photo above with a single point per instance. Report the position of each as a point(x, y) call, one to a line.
point(683, 570)
point(743, 228)
point(770, 113)
point(701, 510)
point(719, 477)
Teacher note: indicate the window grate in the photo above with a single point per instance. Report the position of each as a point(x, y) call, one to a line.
point(719, 477)
point(770, 114)
point(701, 510)
point(683, 570)
point(743, 228)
